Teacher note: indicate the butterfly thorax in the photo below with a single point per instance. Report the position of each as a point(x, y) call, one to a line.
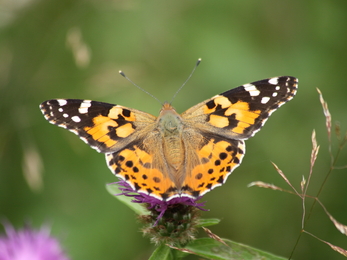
point(170, 127)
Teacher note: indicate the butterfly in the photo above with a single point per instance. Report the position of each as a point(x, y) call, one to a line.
point(174, 155)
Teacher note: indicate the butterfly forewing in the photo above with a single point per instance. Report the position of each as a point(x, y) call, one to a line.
point(241, 112)
point(105, 127)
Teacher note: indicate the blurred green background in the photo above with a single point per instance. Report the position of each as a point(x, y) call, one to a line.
point(75, 48)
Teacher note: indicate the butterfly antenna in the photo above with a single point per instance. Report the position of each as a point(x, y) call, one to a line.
point(191, 74)
point(122, 73)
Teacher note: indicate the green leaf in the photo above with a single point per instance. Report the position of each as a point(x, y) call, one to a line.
point(212, 249)
point(205, 222)
point(162, 252)
point(137, 207)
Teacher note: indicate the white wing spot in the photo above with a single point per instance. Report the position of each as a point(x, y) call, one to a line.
point(278, 88)
point(264, 100)
point(76, 119)
point(252, 90)
point(62, 102)
point(65, 115)
point(60, 109)
point(274, 94)
point(273, 81)
point(74, 131)
point(83, 109)
point(84, 139)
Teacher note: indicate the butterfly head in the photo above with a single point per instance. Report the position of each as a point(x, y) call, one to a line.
point(169, 121)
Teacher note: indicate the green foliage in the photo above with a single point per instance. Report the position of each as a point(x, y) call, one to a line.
point(207, 222)
point(136, 207)
point(212, 249)
point(162, 252)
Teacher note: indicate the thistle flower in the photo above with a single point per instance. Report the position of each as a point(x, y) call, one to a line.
point(173, 222)
point(29, 244)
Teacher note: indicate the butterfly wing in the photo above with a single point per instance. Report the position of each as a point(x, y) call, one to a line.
point(144, 169)
point(224, 121)
point(127, 136)
point(217, 158)
point(239, 113)
point(105, 127)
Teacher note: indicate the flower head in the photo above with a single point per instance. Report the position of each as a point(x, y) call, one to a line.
point(172, 221)
point(29, 244)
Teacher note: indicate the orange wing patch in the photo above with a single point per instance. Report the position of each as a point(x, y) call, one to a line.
point(224, 114)
point(100, 130)
point(117, 111)
point(218, 100)
point(135, 166)
point(110, 128)
point(218, 160)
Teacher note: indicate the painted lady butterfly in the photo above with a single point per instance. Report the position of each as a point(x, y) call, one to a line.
point(174, 154)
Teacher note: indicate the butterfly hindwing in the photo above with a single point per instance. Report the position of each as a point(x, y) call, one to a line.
point(218, 158)
point(136, 165)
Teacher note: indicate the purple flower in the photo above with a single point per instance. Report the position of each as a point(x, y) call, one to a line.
point(156, 204)
point(28, 244)
point(170, 222)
